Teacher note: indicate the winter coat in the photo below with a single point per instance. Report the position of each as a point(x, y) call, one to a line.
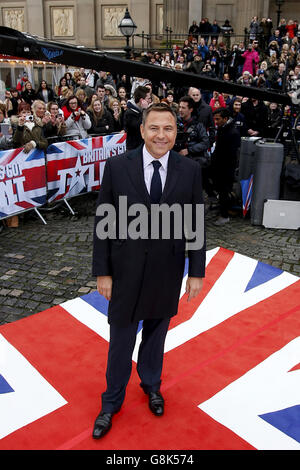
point(251, 61)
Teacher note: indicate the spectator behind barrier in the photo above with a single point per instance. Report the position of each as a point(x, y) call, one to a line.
point(5, 129)
point(77, 120)
point(56, 125)
point(100, 118)
point(64, 95)
point(122, 93)
point(117, 114)
point(29, 132)
point(15, 100)
point(62, 84)
point(170, 100)
point(82, 98)
point(70, 81)
point(45, 93)
point(133, 116)
point(28, 95)
point(238, 117)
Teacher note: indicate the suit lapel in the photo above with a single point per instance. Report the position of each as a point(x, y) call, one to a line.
point(136, 174)
point(172, 175)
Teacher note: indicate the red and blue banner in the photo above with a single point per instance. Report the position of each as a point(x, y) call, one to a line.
point(31, 180)
point(76, 167)
point(22, 181)
point(247, 189)
point(230, 379)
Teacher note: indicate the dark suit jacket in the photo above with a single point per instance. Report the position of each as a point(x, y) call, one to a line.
point(147, 274)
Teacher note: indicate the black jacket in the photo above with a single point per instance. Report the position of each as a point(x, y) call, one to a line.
point(192, 135)
point(132, 121)
point(196, 66)
point(203, 113)
point(256, 116)
point(40, 96)
point(240, 123)
point(224, 157)
point(104, 126)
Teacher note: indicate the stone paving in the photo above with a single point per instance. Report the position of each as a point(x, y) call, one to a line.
point(45, 265)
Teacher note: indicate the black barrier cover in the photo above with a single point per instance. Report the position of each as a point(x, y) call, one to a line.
point(14, 43)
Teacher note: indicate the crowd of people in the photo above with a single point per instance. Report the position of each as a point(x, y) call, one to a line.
point(74, 109)
point(86, 103)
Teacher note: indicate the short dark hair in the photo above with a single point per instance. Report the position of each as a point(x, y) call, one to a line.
point(140, 92)
point(160, 108)
point(189, 100)
point(67, 104)
point(223, 112)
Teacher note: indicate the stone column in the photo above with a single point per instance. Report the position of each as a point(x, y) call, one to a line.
point(176, 15)
point(195, 11)
point(35, 17)
point(86, 23)
point(245, 12)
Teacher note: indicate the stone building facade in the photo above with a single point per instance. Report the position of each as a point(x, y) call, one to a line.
point(94, 23)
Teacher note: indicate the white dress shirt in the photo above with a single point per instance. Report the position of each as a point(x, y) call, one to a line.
point(149, 169)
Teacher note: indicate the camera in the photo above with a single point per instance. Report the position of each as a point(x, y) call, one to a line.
point(29, 118)
point(181, 139)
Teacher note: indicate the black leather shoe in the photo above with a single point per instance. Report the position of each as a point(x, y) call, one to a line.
point(102, 425)
point(156, 403)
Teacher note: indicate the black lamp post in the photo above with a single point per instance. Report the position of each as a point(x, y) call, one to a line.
point(127, 28)
point(279, 4)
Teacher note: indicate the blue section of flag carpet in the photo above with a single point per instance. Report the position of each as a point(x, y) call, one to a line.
point(4, 386)
point(286, 420)
point(262, 273)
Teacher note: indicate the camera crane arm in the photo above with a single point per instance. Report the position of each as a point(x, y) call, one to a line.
point(15, 43)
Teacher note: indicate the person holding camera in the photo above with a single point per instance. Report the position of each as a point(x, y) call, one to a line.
point(29, 133)
point(56, 126)
point(77, 120)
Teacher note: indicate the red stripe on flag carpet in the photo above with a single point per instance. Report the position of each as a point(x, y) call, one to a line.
point(215, 268)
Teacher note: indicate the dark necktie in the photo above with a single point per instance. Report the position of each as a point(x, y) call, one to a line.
point(156, 186)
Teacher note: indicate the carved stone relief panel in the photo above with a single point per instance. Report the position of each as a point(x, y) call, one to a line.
point(62, 20)
point(111, 18)
point(13, 18)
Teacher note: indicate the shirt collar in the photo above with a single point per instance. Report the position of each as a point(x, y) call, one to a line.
point(148, 159)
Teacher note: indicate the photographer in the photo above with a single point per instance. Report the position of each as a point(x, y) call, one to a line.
point(192, 139)
point(56, 125)
point(30, 132)
point(207, 72)
point(77, 121)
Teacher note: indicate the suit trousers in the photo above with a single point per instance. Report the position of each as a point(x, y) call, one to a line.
point(119, 362)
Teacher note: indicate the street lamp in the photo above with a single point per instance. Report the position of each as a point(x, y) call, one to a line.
point(127, 28)
point(279, 3)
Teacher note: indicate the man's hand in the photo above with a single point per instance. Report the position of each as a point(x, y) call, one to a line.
point(184, 152)
point(104, 286)
point(193, 287)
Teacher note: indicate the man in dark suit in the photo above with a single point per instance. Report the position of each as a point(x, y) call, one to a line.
point(142, 275)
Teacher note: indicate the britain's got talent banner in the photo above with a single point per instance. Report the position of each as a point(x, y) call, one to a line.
point(77, 166)
point(22, 181)
point(30, 180)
